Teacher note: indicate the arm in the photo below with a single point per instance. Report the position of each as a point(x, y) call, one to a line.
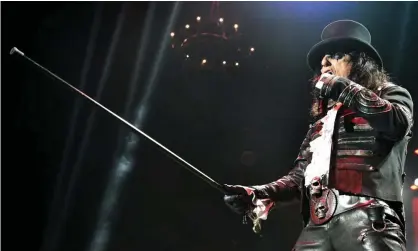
point(284, 190)
point(390, 114)
point(288, 187)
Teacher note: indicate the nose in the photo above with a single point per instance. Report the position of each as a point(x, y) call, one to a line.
point(325, 61)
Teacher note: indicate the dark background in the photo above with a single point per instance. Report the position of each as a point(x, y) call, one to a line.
point(60, 153)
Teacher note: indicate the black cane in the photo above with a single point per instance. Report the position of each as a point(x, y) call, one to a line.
point(135, 130)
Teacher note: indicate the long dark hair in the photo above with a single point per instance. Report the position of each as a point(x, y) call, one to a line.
point(364, 71)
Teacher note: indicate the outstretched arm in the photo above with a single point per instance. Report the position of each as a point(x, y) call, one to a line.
point(288, 188)
point(240, 199)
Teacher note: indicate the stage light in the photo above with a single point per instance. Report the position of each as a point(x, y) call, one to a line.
point(416, 182)
point(204, 61)
point(236, 64)
point(187, 26)
point(414, 187)
point(221, 20)
point(416, 151)
point(198, 18)
point(187, 56)
point(172, 34)
point(224, 62)
point(235, 26)
point(252, 49)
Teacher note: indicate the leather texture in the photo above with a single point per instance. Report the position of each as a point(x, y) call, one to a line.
point(368, 159)
point(369, 152)
point(352, 230)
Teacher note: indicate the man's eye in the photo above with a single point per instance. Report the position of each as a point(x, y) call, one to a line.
point(338, 55)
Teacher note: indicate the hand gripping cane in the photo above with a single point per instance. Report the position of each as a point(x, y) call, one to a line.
point(194, 170)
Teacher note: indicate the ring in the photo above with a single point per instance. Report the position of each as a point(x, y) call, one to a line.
point(380, 230)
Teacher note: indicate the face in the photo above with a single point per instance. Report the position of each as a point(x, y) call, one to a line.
point(338, 64)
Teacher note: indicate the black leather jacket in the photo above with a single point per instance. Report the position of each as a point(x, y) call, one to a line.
point(369, 151)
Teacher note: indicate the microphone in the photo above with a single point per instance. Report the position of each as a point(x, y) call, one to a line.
point(320, 83)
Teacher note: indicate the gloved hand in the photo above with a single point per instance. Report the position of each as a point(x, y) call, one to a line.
point(331, 86)
point(238, 198)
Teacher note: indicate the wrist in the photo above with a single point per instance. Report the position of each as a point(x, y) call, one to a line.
point(348, 92)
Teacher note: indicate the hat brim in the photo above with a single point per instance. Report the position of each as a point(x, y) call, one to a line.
point(345, 45)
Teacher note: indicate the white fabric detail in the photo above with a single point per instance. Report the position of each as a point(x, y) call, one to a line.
point(262, 208)
point(321, 148)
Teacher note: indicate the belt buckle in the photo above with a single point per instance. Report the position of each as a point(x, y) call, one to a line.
point(323, 206)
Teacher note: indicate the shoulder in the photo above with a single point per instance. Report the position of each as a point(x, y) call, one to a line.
point(390, 86)
point(392, 89)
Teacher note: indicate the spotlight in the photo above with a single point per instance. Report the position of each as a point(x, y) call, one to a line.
point(187, 26)
point(414, 186)
point(416, 151)
point(187, 56)
point(221, 20)
point(204, 61)
point(236, 64)
point(252, 49)
point(198, 18)
point(172, 34)
point(224, 62)
point(235, 26)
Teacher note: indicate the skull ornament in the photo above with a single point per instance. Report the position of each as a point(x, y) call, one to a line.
point(321, 209)
point(316, 187)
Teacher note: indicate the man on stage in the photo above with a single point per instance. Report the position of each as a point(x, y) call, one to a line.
point(349, 173)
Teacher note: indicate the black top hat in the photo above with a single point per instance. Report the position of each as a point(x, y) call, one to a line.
point(343, 36)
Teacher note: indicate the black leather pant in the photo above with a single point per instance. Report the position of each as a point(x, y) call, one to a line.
point(352, 231)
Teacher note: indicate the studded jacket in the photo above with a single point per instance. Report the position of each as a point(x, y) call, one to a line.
point(370, 139)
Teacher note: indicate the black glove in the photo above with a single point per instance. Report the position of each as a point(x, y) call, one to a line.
point(238, 199)
point(331, 87)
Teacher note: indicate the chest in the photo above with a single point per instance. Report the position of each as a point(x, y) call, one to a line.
point(349, 126)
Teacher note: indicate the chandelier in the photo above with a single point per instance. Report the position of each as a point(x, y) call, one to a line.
point(213, 42)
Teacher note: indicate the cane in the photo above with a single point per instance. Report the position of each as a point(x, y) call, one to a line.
point(188, 166)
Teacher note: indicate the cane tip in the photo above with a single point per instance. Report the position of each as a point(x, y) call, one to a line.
point(16, 50)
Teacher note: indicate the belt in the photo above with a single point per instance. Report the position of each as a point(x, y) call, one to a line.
point(330, 203)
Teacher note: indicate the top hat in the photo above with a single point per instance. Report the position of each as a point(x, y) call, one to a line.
point(343, 36)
